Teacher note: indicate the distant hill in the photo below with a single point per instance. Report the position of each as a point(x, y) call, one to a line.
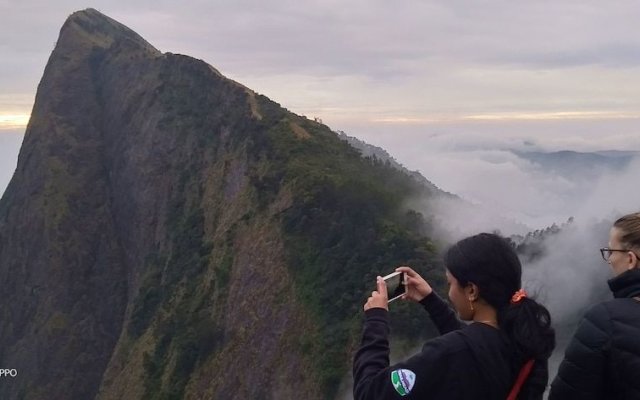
point(448, 217)
point(578, 165)
point(169, 233)
point(368, 150)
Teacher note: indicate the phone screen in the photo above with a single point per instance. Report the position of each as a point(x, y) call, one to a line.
point(395, 285)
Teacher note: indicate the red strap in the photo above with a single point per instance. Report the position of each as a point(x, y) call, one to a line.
point(522, 376)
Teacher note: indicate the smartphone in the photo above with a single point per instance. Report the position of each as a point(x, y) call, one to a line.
point(395, 285)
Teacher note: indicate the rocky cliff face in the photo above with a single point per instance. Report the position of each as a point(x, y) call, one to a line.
point(170, 234)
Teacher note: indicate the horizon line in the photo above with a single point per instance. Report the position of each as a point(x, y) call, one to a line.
point(20, 121)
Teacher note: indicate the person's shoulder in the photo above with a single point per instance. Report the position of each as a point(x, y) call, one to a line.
point(599, 311)
point(597, 318)
point(609, 309)
point(619, 304)
point(458, 340)
point(622, 309)
point(486, 336)
point(452, 342)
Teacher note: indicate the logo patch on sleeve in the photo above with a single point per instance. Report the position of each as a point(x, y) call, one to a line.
point(403, 381)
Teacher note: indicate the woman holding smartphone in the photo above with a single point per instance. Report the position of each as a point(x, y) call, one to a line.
point(501, 354)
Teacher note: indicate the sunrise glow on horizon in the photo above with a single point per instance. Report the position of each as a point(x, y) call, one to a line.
point(14, 121)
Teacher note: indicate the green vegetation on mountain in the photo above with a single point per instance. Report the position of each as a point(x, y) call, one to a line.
point(346, 224)
point(170, 234)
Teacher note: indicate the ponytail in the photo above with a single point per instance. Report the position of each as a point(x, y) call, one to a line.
point(527, 324)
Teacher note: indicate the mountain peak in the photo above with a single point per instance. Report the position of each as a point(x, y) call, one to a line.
point(154, 200)
point(91, 27)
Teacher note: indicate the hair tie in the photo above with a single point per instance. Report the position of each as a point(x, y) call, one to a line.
point(518, 296)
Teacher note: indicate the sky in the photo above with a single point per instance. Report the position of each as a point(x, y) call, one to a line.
point(446, 87)
point(449, 88)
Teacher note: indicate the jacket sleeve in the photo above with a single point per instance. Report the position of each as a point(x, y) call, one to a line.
point(374, 378)
point(441, 314)
point(581, 373)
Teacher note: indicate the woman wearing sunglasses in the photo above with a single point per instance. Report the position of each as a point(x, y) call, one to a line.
point(603, 359)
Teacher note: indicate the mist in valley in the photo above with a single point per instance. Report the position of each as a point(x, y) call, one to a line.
point(564, 209)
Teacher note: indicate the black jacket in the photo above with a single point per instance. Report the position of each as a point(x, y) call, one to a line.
point(466, 362)
point(603, 359)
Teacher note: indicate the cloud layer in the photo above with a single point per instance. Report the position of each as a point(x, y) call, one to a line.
point(362, 61)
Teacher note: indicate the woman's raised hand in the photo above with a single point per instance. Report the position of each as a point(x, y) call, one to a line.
point(417, 287)
point(378, 298)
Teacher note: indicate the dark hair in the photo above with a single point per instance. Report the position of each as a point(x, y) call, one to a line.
point(490, 262)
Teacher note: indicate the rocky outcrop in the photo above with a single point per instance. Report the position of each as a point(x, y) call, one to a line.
point(169, 233)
